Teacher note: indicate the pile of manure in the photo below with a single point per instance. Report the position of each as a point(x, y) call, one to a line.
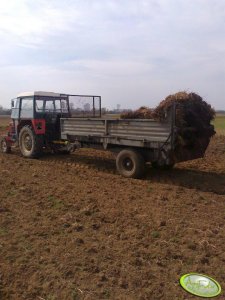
point(193, 122)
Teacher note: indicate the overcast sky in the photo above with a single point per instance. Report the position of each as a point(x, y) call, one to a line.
point(130, 52)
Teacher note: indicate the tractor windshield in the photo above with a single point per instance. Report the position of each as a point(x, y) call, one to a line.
point(51, 105)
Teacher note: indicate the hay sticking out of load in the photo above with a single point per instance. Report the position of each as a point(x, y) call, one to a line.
point(193, 121)
point(142, 113)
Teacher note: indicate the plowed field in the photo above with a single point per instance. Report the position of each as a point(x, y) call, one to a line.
point(72, 228)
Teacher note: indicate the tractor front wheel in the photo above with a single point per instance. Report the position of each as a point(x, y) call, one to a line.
point(31, 145)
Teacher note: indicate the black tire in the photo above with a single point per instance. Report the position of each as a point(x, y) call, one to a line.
point(130, 164)
point(31, 145)
point(4, 146)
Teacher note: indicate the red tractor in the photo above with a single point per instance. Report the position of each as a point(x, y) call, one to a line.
point(35, 124)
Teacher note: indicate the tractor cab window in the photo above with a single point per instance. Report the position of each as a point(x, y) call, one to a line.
point(64, 105)
point(51, 105)
point(27, 107)
point(39, 105)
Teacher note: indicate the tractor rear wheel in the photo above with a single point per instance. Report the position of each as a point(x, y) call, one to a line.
point(130, 164)
point(31, 145)
point(4, 146)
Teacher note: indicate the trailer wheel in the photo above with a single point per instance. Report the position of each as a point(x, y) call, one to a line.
point(30, 144)
point(130, 164)
point(4, 146)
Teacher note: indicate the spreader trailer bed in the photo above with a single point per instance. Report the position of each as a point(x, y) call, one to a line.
point(135, 141)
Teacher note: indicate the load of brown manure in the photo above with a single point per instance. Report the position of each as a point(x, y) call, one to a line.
point(193, 118)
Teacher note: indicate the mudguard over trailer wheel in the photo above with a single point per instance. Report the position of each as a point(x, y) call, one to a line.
point(31, 145)
point(130, 164)
point(4, 146)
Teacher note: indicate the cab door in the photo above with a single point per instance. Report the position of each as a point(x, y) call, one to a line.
point(15, 109)
point(26, 108)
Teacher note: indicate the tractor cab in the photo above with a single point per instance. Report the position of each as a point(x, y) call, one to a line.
point(41, 110)
point(36, 119)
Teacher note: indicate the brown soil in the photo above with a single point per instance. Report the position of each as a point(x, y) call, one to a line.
point(71, 228)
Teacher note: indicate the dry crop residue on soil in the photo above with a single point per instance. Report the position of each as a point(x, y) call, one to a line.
point(71, 228)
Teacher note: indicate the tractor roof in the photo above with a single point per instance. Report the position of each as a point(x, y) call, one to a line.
point(39, 93)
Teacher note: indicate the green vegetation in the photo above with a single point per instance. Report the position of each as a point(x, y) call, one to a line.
point(155, 234)
point(3, 231)
point(149, 189)
point(219, 124)
point(56, 203)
